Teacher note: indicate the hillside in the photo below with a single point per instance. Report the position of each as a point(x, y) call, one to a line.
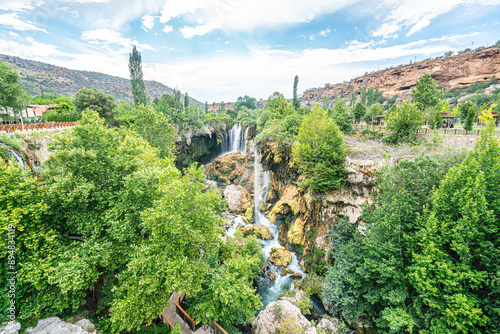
point(37, 76)
point(450, 72)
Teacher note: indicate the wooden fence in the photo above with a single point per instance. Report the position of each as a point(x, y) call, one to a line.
point(194, 325)
point(35, 126)
point(382, 129)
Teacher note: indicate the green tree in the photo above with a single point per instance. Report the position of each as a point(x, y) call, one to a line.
point(186, 100)
point(359, 111)
point(456, 265)
point(463, 109)
point(425, 94)
point(320, 152)
point(155, 128)
point(95, 100)
point(352, 96)
point(183, 227)
point(245, 101)
point(12, 94)
point(403, 122)
point(368, 276)
point(372, 113)
point(471, 116)
point(136, 79)
point(296, 101)
point(176, 329)
point(363, 96)
point(341, 116)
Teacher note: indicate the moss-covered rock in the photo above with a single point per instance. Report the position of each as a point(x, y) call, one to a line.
point(283, 272)
point(260, 231)
point(272, 275)
point(280, 257)
point(296, 234)
point(249, 213)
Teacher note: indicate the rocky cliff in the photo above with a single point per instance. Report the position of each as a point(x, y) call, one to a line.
point(449, 72)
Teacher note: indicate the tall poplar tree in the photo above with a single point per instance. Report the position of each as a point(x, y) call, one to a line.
point(136, 80)
point(296, 101)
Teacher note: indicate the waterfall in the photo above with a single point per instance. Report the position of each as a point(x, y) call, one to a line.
point(235, 141)
point(267, 289)
point(18, 157)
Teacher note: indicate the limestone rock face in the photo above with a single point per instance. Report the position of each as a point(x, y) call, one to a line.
point(36, 150)
point(279, 316)
point(237, 198)
point(12, 327)
point(260, 231)
point(55, 325)
point(328, 326)
point(449, 72)
point(280, 257)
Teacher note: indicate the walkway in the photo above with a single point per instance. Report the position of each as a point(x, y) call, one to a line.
point(173, 317)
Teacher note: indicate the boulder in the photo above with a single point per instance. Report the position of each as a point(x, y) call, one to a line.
point(238, 199)
point(260, 231)
point(289, 271)
point(11, 327)
point(328, 325)
point(281, 317)
point(296, 275)
point(272, 275)
point(55, 325)
point(283, 272)
point(280, 257)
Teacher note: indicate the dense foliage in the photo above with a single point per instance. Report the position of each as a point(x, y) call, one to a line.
point(12, 94)
point(320, 152)
point(136, 79)
point(428, 260)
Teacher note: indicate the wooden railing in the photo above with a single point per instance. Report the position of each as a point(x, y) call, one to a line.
point(216, 329)
point(35, 126)
point(454, 131)
point(194, 325)
point(165, 320)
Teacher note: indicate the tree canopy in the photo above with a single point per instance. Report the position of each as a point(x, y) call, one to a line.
point(320, 152)
point(12, 94)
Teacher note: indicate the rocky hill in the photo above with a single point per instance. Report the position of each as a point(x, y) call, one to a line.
point(37, 76)
point(450, 72)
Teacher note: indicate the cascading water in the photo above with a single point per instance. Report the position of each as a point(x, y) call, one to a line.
point(235, 141)
point(267, 289)
point(18, 157)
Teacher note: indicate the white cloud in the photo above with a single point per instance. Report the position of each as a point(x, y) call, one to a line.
point(20, 5)
point(12, 21)
point(168, 29)
point(239, 15)
point(214, 78)
point(416, 15)
point(189, 32)
point(109, 37)
point(148, 22)
point(324, 33)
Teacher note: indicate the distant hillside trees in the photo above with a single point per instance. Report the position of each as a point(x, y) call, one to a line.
point(12, 94)
point(136, 79)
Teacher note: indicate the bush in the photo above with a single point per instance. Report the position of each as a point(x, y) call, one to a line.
point(403, 122)
point(320, 152)
point(27, 121)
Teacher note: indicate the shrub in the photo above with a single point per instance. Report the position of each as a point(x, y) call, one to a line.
point(403, 122)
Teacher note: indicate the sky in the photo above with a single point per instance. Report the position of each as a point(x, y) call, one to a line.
point(218, 50)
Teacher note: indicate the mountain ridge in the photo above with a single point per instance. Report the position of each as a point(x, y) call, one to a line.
point(37, 76)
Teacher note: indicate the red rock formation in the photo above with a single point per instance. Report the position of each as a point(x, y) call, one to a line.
point(449, 72)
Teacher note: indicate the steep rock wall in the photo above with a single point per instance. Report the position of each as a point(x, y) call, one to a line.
point(450, 72)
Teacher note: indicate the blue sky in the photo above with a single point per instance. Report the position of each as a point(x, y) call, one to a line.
point(217, 50)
